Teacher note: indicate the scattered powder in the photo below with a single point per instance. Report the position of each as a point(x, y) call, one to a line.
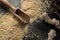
point(32, 8)
point(10, 28)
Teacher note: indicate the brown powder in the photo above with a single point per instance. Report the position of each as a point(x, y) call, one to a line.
point(33, 8)
point(10, 28)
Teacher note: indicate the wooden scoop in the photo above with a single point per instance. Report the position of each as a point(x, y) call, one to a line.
point(17, 12)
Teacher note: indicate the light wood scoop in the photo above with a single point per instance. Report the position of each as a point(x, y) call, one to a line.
point(24, 18)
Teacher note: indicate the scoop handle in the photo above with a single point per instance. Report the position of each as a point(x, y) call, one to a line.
point(8, 5)
point(18, 13)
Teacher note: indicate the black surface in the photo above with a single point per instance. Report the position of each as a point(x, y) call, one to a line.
point(39, 31)
point(3, 9)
